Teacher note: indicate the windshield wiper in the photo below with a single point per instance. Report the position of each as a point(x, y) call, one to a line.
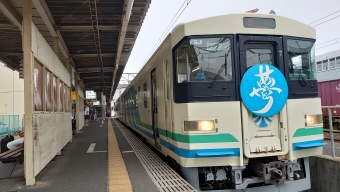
point(221, 69)
point(217, 74)
point(303, 80)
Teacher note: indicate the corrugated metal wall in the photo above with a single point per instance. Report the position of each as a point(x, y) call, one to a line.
point(329, 92)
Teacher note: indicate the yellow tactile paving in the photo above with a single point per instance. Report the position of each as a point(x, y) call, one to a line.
point(118, 178)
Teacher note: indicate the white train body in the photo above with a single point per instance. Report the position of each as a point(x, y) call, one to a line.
point(197, 102)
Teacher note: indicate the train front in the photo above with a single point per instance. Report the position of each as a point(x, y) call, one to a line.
point(248, 107)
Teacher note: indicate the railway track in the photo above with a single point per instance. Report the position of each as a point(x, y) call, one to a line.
point(336, 135)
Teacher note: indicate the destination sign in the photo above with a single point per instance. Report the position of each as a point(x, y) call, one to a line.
point(256, 22)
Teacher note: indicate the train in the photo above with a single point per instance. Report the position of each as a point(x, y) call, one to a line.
point(232, 102)
point(329, 92)
point(108, 109)
point(328, 77)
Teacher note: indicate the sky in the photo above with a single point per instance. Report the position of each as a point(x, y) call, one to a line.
point(161, 12)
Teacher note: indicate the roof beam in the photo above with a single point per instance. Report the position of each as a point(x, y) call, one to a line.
point(8, 26)
point(97, 88)
point(93, 69)
point(87, 28)
point(98, 83)
point(11, 54)
point(8, 10)
point(125, 22)
point(92, 55)
point(96, 77)
point(48, 20)
point(100, 27)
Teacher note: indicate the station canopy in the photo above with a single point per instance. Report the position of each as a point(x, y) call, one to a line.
point(96, 36)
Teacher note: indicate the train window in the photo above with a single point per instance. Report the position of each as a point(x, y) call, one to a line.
point(204, 59)
point(301, 60)
point(145, 96)
point(167, 81)
point(255, 56)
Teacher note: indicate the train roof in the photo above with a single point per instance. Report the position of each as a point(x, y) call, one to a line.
point(233, 24)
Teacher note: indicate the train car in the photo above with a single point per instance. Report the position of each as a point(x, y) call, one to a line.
point(232, 101)
point(328, 78)
point(108, 109)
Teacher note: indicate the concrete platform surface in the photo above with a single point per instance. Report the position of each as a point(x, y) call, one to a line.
point(77, 170)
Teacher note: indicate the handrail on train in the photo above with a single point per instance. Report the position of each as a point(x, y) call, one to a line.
point(331, 125)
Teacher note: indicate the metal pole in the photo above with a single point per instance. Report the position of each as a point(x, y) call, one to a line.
point(331, 130)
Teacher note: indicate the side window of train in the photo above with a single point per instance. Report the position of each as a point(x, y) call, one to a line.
point(137, 97)
point(301, 62)
point(167, 81)
point(145, 96)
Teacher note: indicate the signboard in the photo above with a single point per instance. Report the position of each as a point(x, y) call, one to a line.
point(74, 96)
point(256, 22)
point(96, 103)
point(89, 103)
point(90, 95)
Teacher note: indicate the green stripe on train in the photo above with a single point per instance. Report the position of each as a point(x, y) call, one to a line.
point(197, 138)
point(308, 131)
point(187, 138)
point(139, 122)
point(225, 137)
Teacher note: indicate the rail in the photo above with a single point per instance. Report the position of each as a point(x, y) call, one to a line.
point(330, 119)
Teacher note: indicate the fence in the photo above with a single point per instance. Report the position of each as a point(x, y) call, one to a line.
point(8, 124)
point(330, 119)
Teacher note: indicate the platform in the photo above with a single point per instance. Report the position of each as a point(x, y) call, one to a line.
point(100, 158)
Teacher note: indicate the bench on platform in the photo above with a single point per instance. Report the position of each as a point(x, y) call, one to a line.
point(13, 154)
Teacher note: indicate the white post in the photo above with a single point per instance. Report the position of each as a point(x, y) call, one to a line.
point(330, 120)
point(28, 92)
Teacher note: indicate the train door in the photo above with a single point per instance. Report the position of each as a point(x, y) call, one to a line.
point(167, 96)
point(264, 93)
point(155, 109)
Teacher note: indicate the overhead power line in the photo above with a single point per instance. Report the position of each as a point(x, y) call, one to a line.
point(327, 45)
point(172, 22)
point(327, 41)
point(324, 17)
point(327, 20)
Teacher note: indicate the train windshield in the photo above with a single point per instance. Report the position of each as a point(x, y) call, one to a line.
point(301, 59)
point(204, 59)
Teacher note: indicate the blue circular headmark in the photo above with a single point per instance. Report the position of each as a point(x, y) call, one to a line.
point(264, 90)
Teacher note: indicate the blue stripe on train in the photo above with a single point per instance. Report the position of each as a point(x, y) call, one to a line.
point(201, 153)
point(308, 144)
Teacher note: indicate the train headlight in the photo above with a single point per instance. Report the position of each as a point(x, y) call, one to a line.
point(203, 125)
point(313, 120)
